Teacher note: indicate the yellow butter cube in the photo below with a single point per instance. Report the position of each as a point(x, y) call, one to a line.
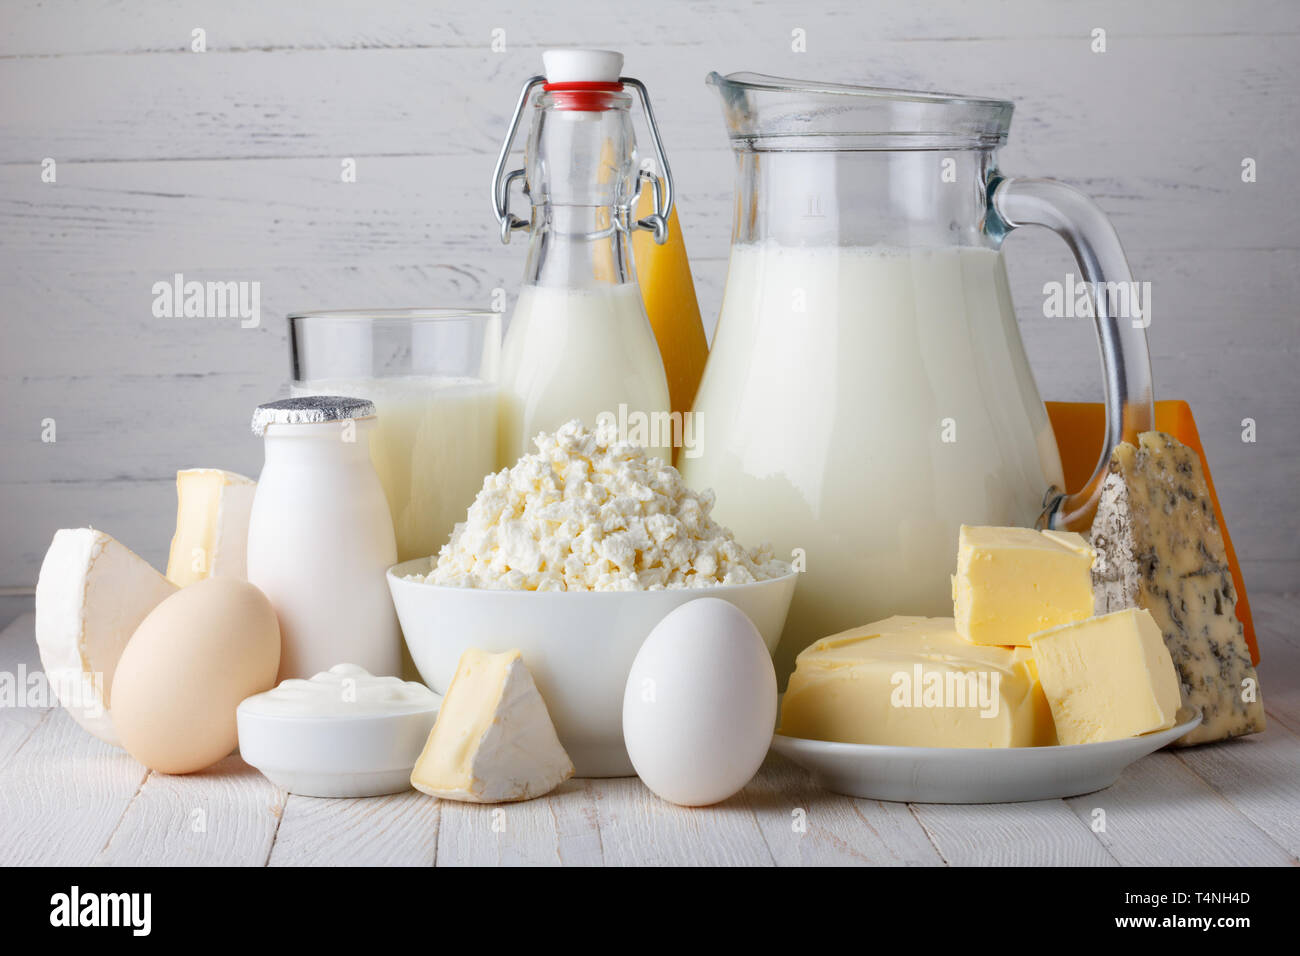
point(1013, 582)
point(912, 681)
point(1107, 677)
point(1044, 725)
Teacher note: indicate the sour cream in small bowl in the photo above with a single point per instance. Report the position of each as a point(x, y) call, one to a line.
point(343, 733)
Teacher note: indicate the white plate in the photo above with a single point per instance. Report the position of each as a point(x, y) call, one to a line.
point(958, 775)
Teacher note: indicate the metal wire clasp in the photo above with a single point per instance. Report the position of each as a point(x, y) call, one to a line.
point(657, 222)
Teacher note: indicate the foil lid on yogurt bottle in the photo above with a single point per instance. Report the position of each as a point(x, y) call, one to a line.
point(310, 410)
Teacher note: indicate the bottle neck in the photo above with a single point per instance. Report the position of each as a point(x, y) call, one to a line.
point(324, 443)
point(581, 175)
point(579, 247)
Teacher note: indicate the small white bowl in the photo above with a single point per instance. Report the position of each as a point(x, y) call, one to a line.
point(361, 755)
point(578, 645)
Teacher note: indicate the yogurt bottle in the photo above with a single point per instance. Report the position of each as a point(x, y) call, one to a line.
point(320, 537)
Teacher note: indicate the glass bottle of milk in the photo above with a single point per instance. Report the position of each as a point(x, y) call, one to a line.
point(579, 344)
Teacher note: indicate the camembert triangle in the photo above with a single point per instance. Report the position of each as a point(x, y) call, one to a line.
point(91, 595)
point(1160, 548)
point(494, 741)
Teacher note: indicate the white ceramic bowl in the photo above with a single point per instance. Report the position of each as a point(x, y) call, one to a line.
point(334, 756)
point(579, 646)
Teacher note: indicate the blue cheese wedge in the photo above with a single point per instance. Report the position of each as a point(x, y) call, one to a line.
point(1160, 548)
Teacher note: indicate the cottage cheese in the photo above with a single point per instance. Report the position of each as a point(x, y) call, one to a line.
point(588, 512)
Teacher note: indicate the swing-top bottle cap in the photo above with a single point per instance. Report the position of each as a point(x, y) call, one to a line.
point(582, 66)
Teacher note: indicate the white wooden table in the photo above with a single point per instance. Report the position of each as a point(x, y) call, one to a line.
point(69, 799)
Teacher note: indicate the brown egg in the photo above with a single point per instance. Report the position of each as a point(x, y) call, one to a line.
point(187, 667)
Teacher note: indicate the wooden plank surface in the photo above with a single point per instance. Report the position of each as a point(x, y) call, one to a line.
point(803, 825)
point(1160, 813)
point(68, 798)
point(1043, 833)
point(639, 829)
point(549, 832)
point(20, 660)
point(63, 797)
point(1260, 778)
point(1260, 775)
point(223, 816)
point(396, 830)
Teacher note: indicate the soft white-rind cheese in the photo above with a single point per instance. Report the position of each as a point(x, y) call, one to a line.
point(588, 512)
point(1159, 548)
point(91, 595)
point(494, 741)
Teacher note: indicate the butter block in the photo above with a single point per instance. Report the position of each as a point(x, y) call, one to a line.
point(211, 539)
point(494, 741)
point(913, 681)
point(1044, 724)
point(1107, 677)
point(1013, 582)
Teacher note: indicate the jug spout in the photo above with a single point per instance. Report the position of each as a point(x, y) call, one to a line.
point(772, 113)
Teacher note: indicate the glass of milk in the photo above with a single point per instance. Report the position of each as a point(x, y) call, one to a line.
point(432, 375)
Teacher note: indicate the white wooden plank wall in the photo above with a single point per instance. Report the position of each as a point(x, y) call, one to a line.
point(226, 165)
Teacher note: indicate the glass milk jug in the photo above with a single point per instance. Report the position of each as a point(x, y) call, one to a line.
point(867, 391)
point(579, 344)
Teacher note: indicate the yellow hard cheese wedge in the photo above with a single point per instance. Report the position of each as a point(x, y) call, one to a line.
point(1013, 582)
point(1107, 677)
point(668, 292)
point(913, 681)
point(494, 741)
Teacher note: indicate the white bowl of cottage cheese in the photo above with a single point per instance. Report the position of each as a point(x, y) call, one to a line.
point(572, 557)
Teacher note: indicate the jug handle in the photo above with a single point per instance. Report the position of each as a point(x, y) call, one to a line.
point(1122, 339)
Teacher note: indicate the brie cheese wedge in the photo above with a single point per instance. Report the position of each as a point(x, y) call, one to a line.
point(91, 595)
point(494, 741)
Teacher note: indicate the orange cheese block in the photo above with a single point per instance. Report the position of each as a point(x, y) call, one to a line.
point(1080, 429)
point(668, 292)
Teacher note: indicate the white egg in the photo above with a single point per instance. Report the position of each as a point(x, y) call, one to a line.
point(700, 704)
